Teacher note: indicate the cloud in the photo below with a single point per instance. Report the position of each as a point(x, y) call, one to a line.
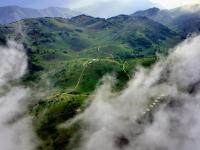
point(13, 63)
point(109, 8)
point(172, 4)
point(158, 110)
point(103, 8)
point(15, 128)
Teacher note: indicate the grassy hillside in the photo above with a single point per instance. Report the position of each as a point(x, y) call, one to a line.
point(70, 56)
point(184, 20)
point(62, 49)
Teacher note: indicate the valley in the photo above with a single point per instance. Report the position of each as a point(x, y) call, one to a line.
point(68, 60)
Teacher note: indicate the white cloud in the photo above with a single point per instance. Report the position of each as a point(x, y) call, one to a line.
point(84, 3)
point(108, 8)
point(174, 3)
point(15, 130)
point(111, 120)
point(102, 8)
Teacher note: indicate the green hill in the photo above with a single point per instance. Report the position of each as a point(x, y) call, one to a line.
point(69, 57)
point(58, 43)
point(184, 20)
point(84, 32)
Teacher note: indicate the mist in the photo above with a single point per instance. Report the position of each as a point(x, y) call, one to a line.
point(15, 125)
point(159, 109)
point(94, 7)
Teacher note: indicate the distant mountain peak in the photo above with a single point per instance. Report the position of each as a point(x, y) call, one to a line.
point(149, 12)
point(153, 9)
point(10, 14)
point(83, 16)
point(85, 20)
point(121, 17)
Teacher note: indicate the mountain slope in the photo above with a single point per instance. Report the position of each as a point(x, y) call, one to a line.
point(161, 16)
point(83, 32)
point(61, 46)
point(14, 13)
point(168, 16)
point(68, 58)
point(184, 19)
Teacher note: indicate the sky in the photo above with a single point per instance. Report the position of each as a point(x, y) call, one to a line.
point(101, 8)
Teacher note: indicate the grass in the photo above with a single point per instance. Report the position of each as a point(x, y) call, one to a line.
point(53, 111)
point(71, 56)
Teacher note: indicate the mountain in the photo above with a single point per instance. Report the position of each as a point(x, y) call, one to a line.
point(14, 13)
point(161, 16)
point(188, 20)
point(72, 56)
point(50, 40)
point(148, 13)
point(184, 19)
point(83, 32)
point(168, 16)
point(68, 58)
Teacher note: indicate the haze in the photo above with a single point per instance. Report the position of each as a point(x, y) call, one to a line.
point(103, 8)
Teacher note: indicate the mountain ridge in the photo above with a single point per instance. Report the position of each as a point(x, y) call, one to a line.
point(9, 14)
point(184, 19)
point(68, 57)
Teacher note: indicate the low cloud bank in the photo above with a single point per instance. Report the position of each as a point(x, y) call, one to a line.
point(15, 129)
point(133, 120)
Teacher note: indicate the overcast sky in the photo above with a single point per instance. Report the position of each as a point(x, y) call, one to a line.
point(101, 8)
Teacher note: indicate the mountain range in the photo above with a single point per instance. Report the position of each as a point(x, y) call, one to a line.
point(69, 53)
point(10, 14)
point(123, 37)
point(184, 19)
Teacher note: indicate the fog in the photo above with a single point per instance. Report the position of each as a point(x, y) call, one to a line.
point(159, 110)
point(15, 127)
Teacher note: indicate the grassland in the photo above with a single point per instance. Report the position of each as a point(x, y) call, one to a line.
point(69, 57)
